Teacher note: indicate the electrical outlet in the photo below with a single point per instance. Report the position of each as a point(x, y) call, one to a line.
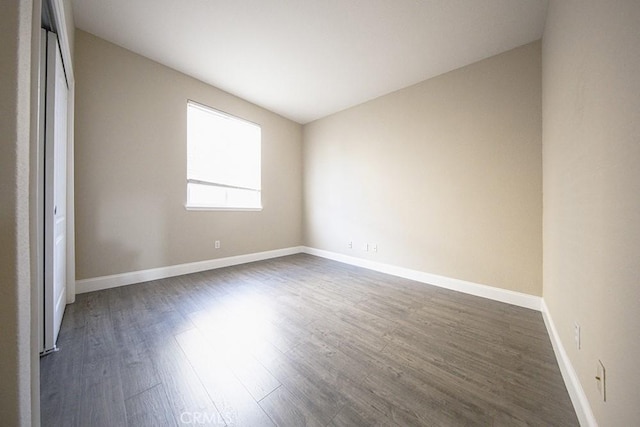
point(374, 247)
point(576, 334)
point(365, 247)
point(217, 244)
point(350, 245)
point(601, 382)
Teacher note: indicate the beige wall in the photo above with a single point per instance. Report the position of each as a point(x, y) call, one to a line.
point(15, 285)
point(130, 161)
point(444, 176)
point(69, 24)
point(35, 207)
point(591, 157)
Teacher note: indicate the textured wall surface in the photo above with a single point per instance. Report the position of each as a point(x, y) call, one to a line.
point(444, 177)
point(131, 169)
point(15, 285)
point(591, 140)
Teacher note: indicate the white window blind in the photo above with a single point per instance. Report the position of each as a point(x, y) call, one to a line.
point(223, 160)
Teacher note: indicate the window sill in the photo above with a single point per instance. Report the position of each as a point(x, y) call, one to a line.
point(214, 208)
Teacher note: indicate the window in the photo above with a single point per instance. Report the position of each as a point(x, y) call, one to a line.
point(223, 160)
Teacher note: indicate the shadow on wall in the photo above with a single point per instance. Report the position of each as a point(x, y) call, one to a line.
point(120, 235)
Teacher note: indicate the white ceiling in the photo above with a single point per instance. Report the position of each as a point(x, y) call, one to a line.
point(306, 59)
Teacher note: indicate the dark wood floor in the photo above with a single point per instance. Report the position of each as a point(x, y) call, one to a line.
point(299, 341)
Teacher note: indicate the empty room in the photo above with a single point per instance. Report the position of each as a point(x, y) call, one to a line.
point(320, 213)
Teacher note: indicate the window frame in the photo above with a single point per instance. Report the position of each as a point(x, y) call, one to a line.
point(212, 207)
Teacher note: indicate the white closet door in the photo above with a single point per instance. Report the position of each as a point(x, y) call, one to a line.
point(55, 214)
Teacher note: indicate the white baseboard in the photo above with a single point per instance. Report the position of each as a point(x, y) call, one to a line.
point(503, 295)
point(571, 381)
point(115, 280)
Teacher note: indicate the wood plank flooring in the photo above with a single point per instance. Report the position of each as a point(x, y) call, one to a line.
point(298, 341)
